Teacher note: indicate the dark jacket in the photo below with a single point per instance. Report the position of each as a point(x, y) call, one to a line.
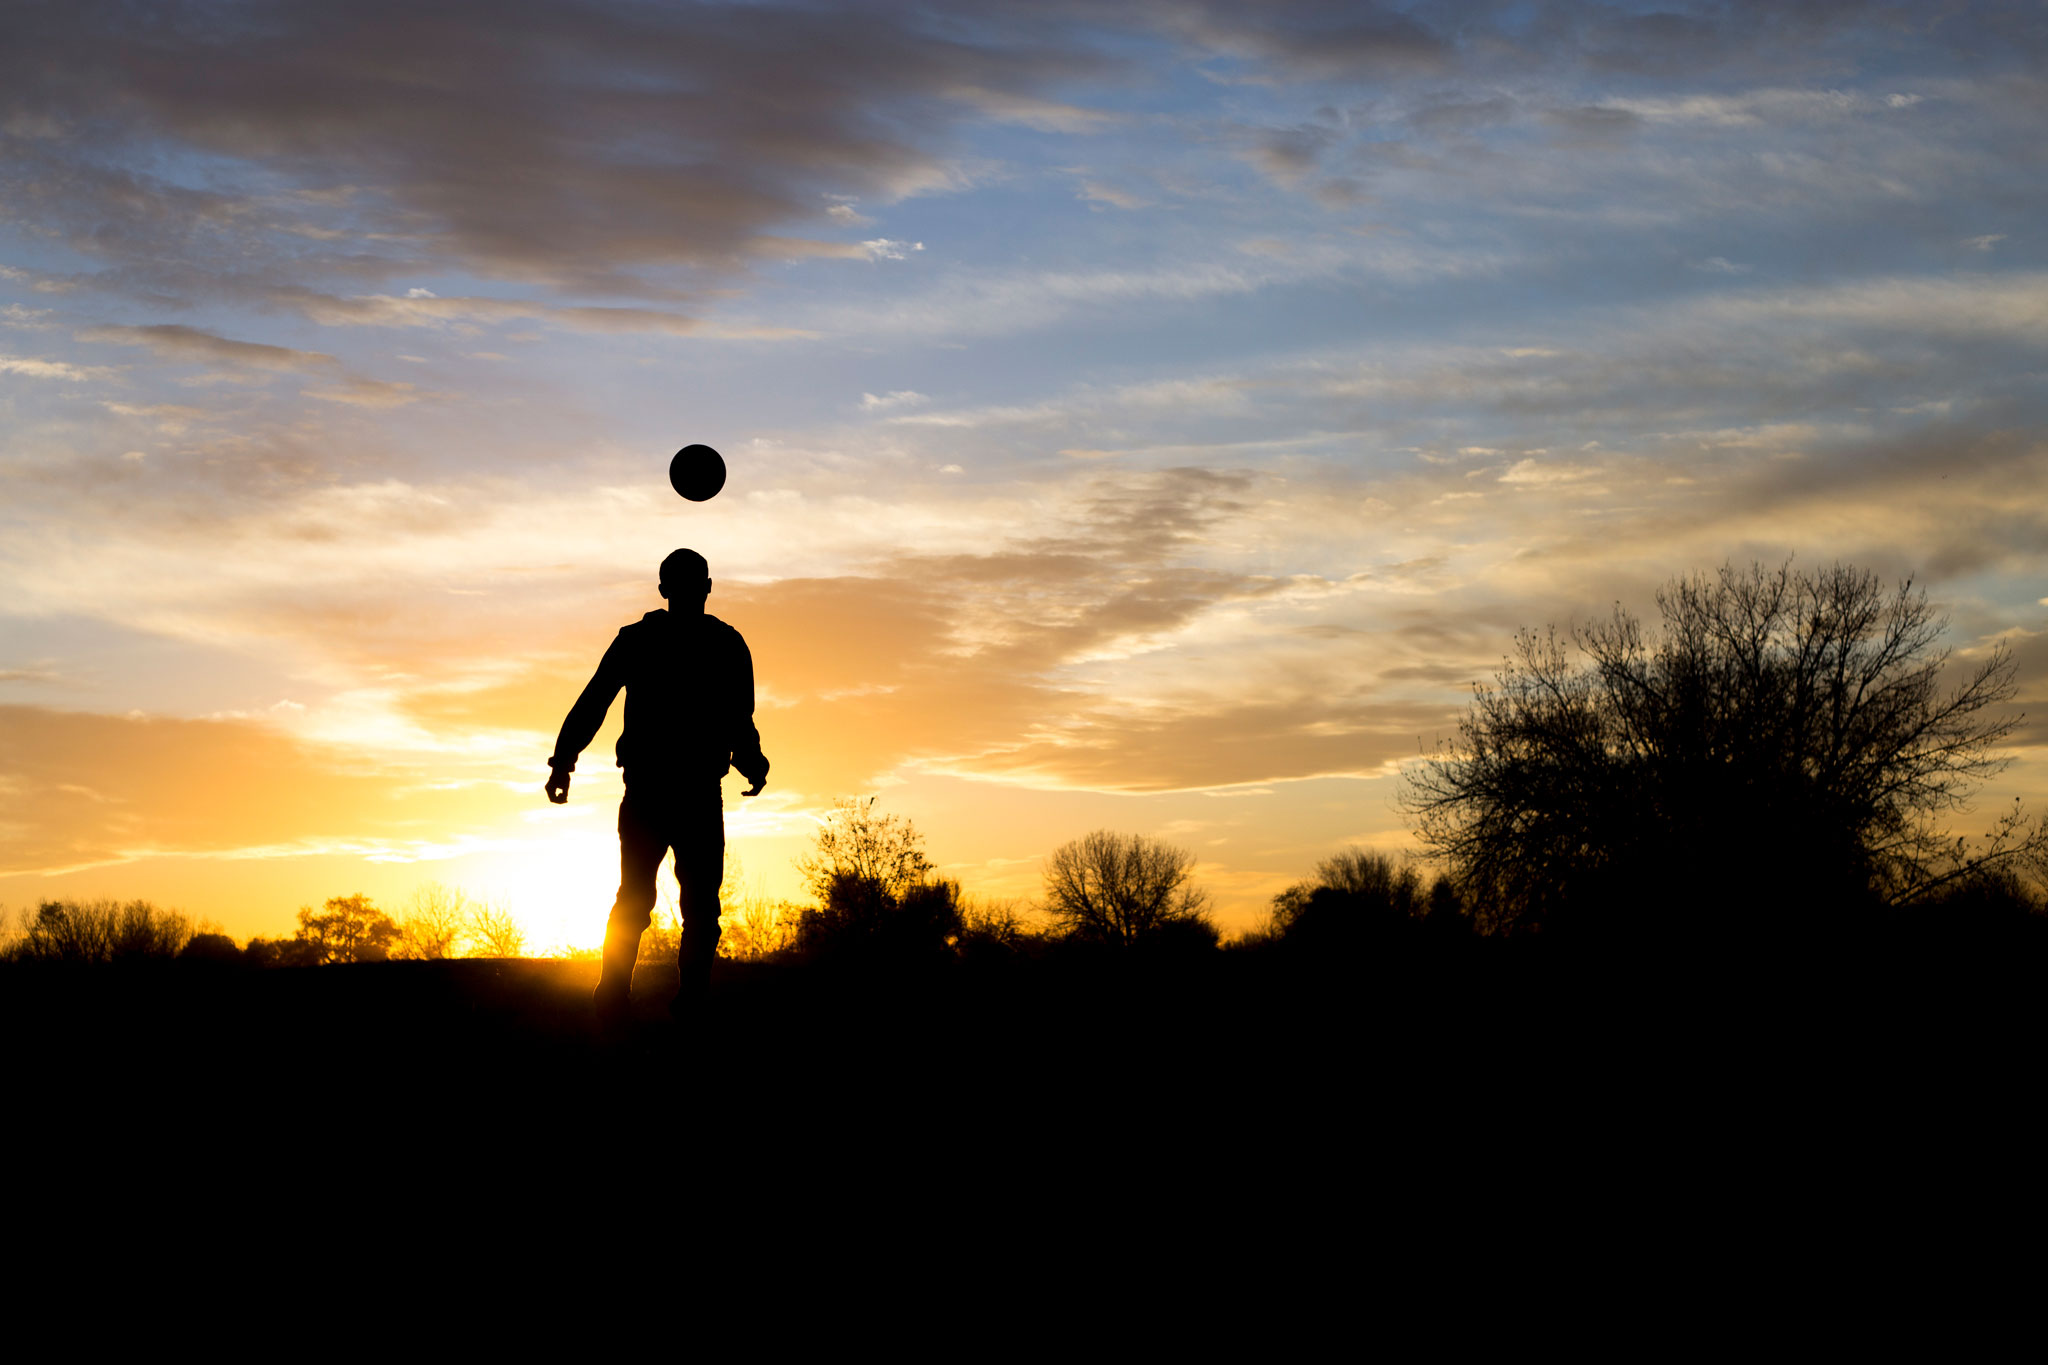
point(689, 684)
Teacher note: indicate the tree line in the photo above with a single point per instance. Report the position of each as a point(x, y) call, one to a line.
point(437, 923)
point(1784, 753)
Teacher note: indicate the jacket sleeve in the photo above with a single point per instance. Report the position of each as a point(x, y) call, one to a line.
point(588, 713)
point(746, 740)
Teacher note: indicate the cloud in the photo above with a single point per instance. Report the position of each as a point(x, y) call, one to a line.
point(169, 418)
point(596, 319)
point(2014, 304)
point(1101, 192)
point(882, 249)
point(1594, 121)
point(1533, 472)
point(30, 367)
point(1046, 116)
point(1984, 243)
point(1003, 302)
point(189, 345)
point(899, 398)
point(369, 393)
point(590, 148)
point(111, 789)
point(1286, 156)
point(1316, 41)
point(1439, 117)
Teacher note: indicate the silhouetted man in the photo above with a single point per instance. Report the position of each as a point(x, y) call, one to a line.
point(689, 684)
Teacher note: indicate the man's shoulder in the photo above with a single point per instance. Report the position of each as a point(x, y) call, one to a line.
point(722, 628)
point(662, 625)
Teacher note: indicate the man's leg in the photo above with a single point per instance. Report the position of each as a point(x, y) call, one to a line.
point(641, 846)
point(699, 835)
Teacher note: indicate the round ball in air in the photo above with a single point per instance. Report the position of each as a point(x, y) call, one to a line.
point(697, 472)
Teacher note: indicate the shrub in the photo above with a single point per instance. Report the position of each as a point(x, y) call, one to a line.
point(862, 916)
point(1358, 897)
point(281, 952)
point(210, 947)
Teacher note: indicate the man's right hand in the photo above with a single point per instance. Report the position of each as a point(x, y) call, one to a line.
point(558, 785)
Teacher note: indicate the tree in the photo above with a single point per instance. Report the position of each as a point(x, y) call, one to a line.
point(435, 920)
point(754, 927)
point(854, 842)
point(876, 895)
point(346, 929)
point(1123, 889)
point(100, 931)
point(494, 932)
point(1783, 751)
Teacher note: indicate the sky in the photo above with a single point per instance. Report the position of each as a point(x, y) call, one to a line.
point(1144, 416)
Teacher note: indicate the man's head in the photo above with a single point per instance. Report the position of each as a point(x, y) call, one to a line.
point(685, 580)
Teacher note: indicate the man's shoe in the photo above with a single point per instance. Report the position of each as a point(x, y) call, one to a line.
point(613, 1012)
point(689, 1000)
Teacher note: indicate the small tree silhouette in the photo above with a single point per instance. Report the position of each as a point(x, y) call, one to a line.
point(1360, 895)
point(876, 895)
point(1782, 750)
point(493, 932)
point(1123, 889)
point(754, 927)
point(210, 945)
point(346, 929)
point(434, 922)
point(854, 842)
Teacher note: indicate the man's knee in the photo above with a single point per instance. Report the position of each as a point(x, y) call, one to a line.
point(634, 908)
point(700, 927)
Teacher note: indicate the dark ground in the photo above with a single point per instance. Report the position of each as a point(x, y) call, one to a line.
point(1281, 1046)
point(1250, 1130)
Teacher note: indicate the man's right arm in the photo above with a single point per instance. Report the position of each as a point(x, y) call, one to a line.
point(585, 717)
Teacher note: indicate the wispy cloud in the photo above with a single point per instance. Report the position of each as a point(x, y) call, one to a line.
point(897, 398)
point(32, 367)
point(174, 341)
